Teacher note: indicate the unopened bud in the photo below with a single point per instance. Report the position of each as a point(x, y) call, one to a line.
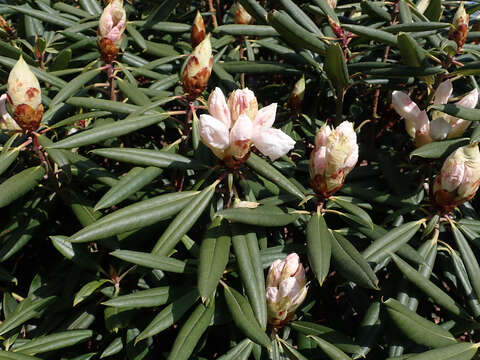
point(459, 29)
point(242, 16)
point(334, 156)
point(198, 69)
point(111, 26)
point(459, 178)
point(296, 98)
point(286, 289)
point(25, 97)
point(5, 26)
point(198, 30)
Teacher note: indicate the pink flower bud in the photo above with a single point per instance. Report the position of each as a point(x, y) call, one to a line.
point(111, 26)
point(459, 178)
point(242, 124)
point(334, 156)
point(198, 69)
point(286, 289)
point(25, 96)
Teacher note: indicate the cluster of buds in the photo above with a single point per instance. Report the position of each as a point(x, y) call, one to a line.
point(198, 30)
point(459, 29)
point(459, 178)
point(286, 289)
point(232, 127)
point(24, 97)
point(442, 126)
point(334, 156)
point(242, 16)
point(198, 69)
point(110, 30)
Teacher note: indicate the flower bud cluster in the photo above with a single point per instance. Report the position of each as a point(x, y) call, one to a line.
point(111, 26)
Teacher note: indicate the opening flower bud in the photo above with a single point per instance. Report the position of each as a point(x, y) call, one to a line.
point(25, 96)
point(459, 29)
point(242, 16)
point(110, 30)
point(334, 156)
point(198, 30)
point(459, 178)
point(286, 289)
point(198, 69)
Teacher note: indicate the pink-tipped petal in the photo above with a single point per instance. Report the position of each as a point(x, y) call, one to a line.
point(240, 136)
point(409, 110)
point(213, 132)
point(443, 92)
point(266, 116)
point(218, 108)
point(273, 143)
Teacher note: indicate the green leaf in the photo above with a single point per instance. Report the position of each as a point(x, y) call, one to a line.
point(246, 30)
point(102, 104)
point(245, 245)
point(389, 243)
point(74, 86)
point(191, 331)
point(144, 298)
point(319, 246)
point(161, 159)
point(371, 33)
point(369, 330)
point(330, 350)
point(416, 328)
point(113, 348)
point(429, 288)
point(19, 184)
point(87, 290)
point(108, 131)
point(292, 353)
point(153, 261)
point(184, 221)
point(54, 341)
point(74, 252)
point(128, 185)
point(353, 209)
point(22, 314)
point(439, 149)
point(8, 355)
point(241, 351)
point(214, 255)
point(412, 54)
point(270, 216)
point(375, 10)
point(169, 315)
point(417, 26)
point(336, 67)
point(135, 216)
point(351, 264)
point(459, 111)
point(244, 318)
point(462, 351)
point(136, 36)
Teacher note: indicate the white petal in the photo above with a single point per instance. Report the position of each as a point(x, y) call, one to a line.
point(272, 294)
point(439, 129)
point(443, 92)
point(266, 116)
point(213, 132)
point(322, 135)
point(272, 142)
point(290, 265)
point(346, 129)
point(289, 288)
point(240, 136)
point(406, 108)
point(319, 159)
point(470, 100)
point(459, 125)
point(218, 108)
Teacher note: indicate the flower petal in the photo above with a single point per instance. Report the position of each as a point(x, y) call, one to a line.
point(439, 129)
point(240, 136)
point(218, 108)
point(266, 116)
point(459, 125)
point(213, 132)
point(272, 142)
point(415, 119)
point(443, 92)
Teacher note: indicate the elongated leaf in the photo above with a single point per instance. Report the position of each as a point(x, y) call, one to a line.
point(74, 86)
point(373, 34)
point(265, 169)
point(241, 351)
point(153, 261)
point(369, 330)
point(416, 328)
point(351, 264)
point(109, 131)
point(19, 184)
point(354, 209)
point(246, 30)
point(7, 158)
point(439, 149)
point(429, 288)
point(8, 355)
point(169, 315)
point(332, 351)
point(459, 111)
point(133, 217)
point(214, 254)
point(244, 318)
point(319, 246)
point(74, 252)
point(260, 216)
point(161, 159)
point(113, 348)
point(54, 341)
point(191, 332)
point(183, 221)
point(144, 298)
point(462, 351)
point(87, 290)
point(336, 67)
